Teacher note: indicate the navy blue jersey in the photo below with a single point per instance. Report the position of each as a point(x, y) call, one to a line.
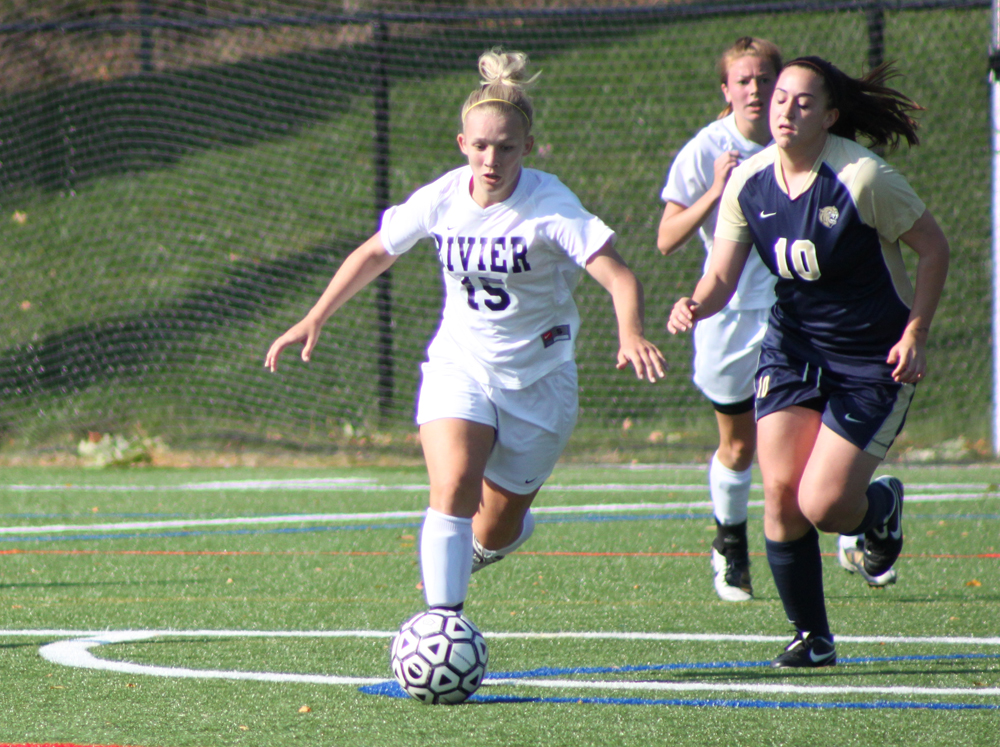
point(842, 289)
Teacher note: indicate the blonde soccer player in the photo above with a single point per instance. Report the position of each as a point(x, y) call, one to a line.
point(727, 344)
point(498, 396)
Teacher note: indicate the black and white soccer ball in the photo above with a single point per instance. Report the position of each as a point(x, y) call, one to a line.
point(439, 656)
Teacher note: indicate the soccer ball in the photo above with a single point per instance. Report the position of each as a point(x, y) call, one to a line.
point(439, 656)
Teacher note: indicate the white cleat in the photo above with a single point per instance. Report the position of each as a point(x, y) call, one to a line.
point(851, 556)
point(732, 579)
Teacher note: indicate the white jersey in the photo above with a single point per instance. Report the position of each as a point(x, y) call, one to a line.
point(509, 272)
point(691, 175)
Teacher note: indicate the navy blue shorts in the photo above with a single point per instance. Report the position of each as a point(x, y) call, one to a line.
point(867, 412)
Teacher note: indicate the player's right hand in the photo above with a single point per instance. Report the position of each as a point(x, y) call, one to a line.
point(723, 167)
point(305, 332)
point(682, 316)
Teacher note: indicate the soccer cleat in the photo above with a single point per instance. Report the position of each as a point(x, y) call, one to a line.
point(884, 543)
point(850, 553)
point(806, 650)
point(731, 564)
point(481, 557)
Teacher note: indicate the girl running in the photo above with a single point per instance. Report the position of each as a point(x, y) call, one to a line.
point(498, 396)
point(845, 346)
point(727, 345)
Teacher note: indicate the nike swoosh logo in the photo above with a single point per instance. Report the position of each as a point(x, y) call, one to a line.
point(894, 533)
point(851, 419)
point(815, 659)
point(767, 215)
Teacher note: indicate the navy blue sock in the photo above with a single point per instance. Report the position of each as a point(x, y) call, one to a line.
point(880, 504)
point(797, 569)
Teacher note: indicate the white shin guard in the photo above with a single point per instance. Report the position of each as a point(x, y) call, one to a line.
point(730, 492)
point(445, 558)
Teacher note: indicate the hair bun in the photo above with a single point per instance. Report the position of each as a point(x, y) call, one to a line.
point(504, 68)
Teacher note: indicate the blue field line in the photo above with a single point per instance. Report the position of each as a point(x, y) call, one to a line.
point(563, 671)
point(569, 519)
point(393, 690)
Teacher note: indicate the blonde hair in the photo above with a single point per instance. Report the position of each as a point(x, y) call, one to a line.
point(746, 46)
point(503, 85)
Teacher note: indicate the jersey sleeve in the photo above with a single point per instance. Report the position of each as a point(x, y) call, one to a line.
point(686, 179)
point(570, 226)
point(404, 225)
point(885, 200)
point(731, 223)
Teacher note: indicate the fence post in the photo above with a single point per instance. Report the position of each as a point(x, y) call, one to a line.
point(995, 106)
point(383, 283)
point(146, 36)
point(875, 16)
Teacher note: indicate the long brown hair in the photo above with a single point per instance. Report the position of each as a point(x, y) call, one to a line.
point(746, 46)
point(867, 106)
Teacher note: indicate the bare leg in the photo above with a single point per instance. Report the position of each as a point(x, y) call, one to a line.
point(456, 452)
point(498, 522)
point(737, 440)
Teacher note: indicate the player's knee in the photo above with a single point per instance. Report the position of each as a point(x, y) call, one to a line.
point(822, 514)
point(455, 495)
point(781, 503)
point(736, 454)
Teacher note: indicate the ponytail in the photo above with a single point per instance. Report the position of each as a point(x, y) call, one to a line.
point(866, 105)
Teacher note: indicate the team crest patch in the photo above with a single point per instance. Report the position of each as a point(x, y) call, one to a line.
point(829, 216)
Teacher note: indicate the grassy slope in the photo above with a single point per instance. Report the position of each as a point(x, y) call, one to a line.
point(613, 110)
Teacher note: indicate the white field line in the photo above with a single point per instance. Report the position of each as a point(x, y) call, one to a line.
point(76, 653)
point(125, 526)
point(746, 688)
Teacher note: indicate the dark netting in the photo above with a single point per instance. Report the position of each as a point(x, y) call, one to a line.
point(180, 179)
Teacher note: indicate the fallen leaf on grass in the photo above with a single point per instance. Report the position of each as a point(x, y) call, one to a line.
point(974, 582)
point(305, 709)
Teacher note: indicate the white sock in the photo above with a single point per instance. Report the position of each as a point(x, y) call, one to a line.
point(730, 492)
point(527, 528)
point(445, 558)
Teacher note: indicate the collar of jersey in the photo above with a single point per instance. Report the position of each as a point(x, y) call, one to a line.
point(780, 177)
point(513, 199)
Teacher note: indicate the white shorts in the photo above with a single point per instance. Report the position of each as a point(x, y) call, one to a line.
point(532, 424)
point(726, 348)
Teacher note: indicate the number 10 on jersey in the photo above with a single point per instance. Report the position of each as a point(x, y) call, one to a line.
point(803, 256)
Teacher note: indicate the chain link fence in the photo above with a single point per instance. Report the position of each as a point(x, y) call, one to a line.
point(179, 180)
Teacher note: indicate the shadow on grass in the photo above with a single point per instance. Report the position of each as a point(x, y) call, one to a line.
point(60, 138)
point(142, 345)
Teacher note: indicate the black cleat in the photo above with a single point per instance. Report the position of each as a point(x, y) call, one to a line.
point(807, 650)
point(884, 543)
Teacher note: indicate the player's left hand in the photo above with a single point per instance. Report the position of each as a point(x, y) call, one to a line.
point(908, 358)
point(647, 359)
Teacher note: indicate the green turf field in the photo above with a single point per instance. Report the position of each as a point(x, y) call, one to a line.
point(177, 583)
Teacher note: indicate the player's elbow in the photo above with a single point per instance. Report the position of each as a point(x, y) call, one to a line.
point(667, 245)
